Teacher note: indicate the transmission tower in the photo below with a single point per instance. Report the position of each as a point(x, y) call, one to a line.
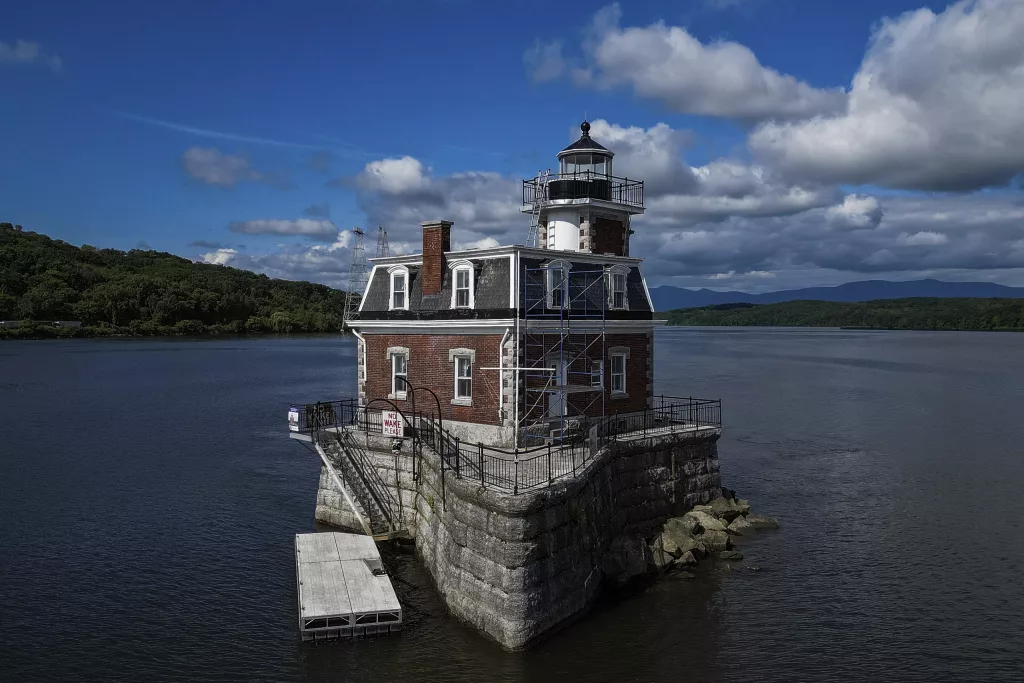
point(356, 276)
point(382, 242)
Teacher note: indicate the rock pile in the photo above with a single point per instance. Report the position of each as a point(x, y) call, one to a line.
point(705, 531)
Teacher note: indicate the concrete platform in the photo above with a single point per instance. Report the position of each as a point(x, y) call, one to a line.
point(342, 588)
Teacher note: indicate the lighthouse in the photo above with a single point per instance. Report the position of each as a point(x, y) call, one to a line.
point(584, 207)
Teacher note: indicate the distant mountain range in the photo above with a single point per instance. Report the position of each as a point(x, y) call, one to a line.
point(667, 298)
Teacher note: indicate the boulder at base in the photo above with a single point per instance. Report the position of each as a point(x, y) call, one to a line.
point(660, 560)
point(741, 527)
point(707, 522)
point(726, 509)
point(675, 541)
point(715, 540)
point(685, 560)
point(730, 555)
point(627, 558)
point(688, 525)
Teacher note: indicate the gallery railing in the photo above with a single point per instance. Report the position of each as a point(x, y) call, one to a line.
point(517, 470)
point(583, 185)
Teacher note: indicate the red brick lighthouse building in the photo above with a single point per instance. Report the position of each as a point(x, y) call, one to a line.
point(521, 344)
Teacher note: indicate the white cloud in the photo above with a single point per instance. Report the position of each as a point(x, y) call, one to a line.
point(925, 238)
point(544, 61)
point(720, 78)
point(28, 52)
point(319, 230)
point(213, 167)
point(935, 105)
point(325, 263)
point(856, 212)
point(394, 176)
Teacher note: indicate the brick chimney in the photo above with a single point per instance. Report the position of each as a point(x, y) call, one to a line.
point(437, 239)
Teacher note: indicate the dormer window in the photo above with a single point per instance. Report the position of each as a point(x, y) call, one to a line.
point(616, 285)
point(462, 285)
point(399, 299)
point(558, 284)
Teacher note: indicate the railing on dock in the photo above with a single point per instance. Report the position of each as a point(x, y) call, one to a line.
point(517, 470)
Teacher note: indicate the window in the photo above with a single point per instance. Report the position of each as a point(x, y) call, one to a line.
point(616, 284)
point(597, 373)
point(399, 374)
point(618, 290)
point(558, 284)
point(463, 377)
point(462, 285)
point(618, 373)
point(399, 289)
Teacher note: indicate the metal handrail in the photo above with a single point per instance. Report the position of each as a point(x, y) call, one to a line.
point(524, 469)
point(583, 185)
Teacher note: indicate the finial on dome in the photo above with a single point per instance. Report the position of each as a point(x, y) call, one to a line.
point(585, 127)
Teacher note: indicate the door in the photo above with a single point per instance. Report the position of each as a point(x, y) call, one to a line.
point(556, 401)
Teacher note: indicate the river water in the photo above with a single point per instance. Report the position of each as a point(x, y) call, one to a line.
point(149, 497)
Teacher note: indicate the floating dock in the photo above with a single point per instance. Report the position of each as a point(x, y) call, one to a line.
point(343, 590)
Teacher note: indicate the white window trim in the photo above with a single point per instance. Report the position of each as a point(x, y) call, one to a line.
point(391, 353)
point(613, 352)
point(393, 272)
point(467, 266)
point(549, 277)
point(600, 373)
point(453, 354)
point(612, 271)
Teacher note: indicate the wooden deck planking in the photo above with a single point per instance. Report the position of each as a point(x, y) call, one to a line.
point(324, 591)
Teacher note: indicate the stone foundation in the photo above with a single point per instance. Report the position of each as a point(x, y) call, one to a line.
point(517, 566)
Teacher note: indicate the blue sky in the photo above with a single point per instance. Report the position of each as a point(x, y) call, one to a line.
point(250, 133)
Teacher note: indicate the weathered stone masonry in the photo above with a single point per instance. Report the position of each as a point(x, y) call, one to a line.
point(518, 566)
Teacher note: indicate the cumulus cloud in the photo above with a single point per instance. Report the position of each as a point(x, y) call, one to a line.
point(856, 212)
point(935, 105)
point(28, 52)
point(544, 61)
point(317, 230)
point(212, 167)
point(328, 264)
point(669, 64)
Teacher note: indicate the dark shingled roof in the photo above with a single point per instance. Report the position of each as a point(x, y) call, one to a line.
point(490, 288)
point(585, 143)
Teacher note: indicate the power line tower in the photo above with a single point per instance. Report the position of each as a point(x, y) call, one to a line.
point(356, 276)
point(382, 242)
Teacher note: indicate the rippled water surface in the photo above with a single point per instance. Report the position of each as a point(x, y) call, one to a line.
point(149, 497)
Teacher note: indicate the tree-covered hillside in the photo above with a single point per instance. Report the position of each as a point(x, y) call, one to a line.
point(149, 292)
point(896, 314)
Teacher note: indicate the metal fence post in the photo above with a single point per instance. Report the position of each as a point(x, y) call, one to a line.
point(515, 481)
point(549, 464)
point(458, 451)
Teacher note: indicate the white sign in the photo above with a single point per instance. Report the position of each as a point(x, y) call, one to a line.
point(293, 419)
point(390, 423)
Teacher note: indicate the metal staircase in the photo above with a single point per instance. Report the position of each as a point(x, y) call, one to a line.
point(366, 491)
point(539, 197)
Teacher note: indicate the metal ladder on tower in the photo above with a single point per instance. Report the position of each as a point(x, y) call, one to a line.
point(539, 197)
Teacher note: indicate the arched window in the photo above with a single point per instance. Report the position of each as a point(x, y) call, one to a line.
point(398, 300)
point(615, 285)
point(558, 284)
point(463, 287)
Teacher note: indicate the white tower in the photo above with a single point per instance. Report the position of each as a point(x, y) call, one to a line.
point(584, 207)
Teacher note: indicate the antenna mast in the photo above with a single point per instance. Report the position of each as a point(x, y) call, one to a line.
point(382, 242)
point(356, 276)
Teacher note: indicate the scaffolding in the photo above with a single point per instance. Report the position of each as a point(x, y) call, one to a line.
point(356, 277)
point(382, 242)
point(563, 350)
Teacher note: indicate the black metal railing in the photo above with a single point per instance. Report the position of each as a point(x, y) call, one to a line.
point(517, 470)
point(583, 185)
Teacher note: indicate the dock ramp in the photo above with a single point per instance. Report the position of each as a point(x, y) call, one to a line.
point(343, 590)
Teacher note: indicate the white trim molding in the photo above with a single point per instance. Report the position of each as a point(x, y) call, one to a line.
point(393, 272)
point(390, 356)
point(453, 357)
point(464, 266)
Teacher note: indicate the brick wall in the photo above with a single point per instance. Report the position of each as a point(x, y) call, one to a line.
point(429, 367)
point(609, 237)
point(437, 239)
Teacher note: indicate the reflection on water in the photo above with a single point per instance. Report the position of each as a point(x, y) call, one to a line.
point(150, 495)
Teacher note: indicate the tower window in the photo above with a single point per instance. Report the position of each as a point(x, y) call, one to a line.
point(398, 358)
point(618, 373)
